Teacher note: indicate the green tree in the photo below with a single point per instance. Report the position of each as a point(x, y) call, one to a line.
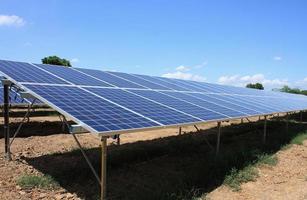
point(290, 90)
point(55, 60)
point(258, 86)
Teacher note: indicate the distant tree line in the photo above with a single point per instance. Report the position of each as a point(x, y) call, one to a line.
point(258, 86)
point(55, 60)
point(292, 90)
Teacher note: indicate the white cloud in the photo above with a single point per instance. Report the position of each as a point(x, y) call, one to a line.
point(184, 76)
point(182, 68)
point(301, 83)
point(11, 20)
point(74, 60)
point(242, 81)
point(277, 58)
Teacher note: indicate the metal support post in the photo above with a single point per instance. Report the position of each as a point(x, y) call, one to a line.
point(6, 121)
point(180, 130)
point(118, 139)
point(287, 123)
point(242, 121)
point(198, 130)
point(264, 130)
point(103, 182)
point(27, 115)
point(218, 138)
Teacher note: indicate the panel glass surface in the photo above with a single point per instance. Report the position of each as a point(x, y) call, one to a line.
point(140, 81)
point(109, 78)
point(73, 76)
point(24, 72)
point(14, 98)
point(162, 82)
point(219, 100)
point(205, 103)
point(95, 112)
point(157, 112)
point(180, 105)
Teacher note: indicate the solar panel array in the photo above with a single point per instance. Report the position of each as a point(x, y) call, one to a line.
point(14, 98)
point(114, 102)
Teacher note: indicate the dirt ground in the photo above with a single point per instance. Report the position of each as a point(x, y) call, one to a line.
point(286, 180)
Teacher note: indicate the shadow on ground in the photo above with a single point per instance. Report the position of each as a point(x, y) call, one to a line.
point(177, 167)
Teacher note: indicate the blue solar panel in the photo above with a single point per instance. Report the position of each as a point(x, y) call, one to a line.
point(219, 100)
point(111, 79)
point(140, 81)
point(160, 113)
point(188, 85)
point(73, 76)
point(24, 72)
point(205, 103)
point(113, 101)
point(181, 105)
point(241, 100)
point(163, 82)
point(91, 110)
point(14, 98)
point(206, 87)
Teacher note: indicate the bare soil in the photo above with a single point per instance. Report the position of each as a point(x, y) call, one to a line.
point(137, 162)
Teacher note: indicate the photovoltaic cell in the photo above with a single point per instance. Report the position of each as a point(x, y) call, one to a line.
point(113, 80)
point(162, 82)
point(205, 103)
point(73, 76)
point(114, 101)
point(181, 105)
point(140, 81)
point(150, 109)
point(24, 72)
point(14, 98)
point(219, 100)
point(93, 111)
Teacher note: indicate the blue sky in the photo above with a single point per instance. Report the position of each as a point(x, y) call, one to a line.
point(228, 42)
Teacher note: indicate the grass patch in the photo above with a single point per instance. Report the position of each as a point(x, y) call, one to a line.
point(237, 177)
point(267, 159)
point(299, 139)
point(32, 181)
point(285, 147)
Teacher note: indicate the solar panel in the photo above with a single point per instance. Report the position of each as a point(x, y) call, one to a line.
point(14, 98)
point(74, 76)
point(205, 103)
point(98, 114)
point(161, 113)
point(161, 81)
point(140, 81)
point(200, 112)
point(113, 102)
point(111, 79)
point(25, 72)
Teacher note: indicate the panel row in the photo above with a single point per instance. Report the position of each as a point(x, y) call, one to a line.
point(107, 109)
point(51, 74)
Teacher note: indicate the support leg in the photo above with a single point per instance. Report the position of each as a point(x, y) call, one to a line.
point(180, 130)
point(301, 117)
point(103, 182)
point(287, 123)
point(218, 138)
point(118, 140)
point(6, 122)
point(264, 130)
